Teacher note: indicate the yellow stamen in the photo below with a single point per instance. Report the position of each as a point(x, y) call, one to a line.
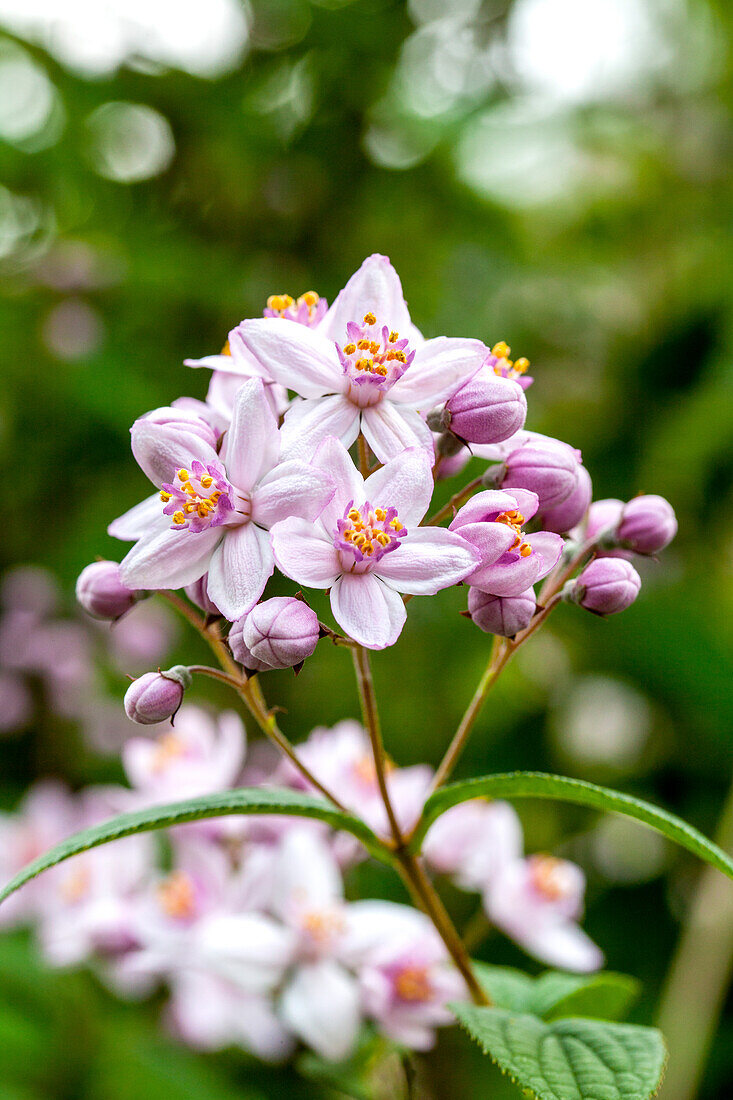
point(370, 319)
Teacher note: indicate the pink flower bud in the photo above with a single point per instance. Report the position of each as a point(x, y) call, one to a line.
point(198, 594)
point(570, 511)
point(101, 593)
point(156, 696)
point(602, 516)
point(503, 615)
point(276, 633)
point(547, 469)
point(648, 524)
point(605, 586)
point(487, 409)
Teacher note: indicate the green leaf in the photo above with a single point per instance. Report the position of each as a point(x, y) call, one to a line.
point(259, 800)
point(574, 1059)
point(540, 785)
point(604, 996)
point(506, 987)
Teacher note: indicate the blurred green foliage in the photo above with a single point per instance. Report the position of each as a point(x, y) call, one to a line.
point(588, 231)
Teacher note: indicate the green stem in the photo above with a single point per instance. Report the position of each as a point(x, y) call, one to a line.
point(413, 875)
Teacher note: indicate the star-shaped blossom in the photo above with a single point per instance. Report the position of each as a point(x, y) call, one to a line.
point(214, 510)
point(367, 547)
point(365, 368)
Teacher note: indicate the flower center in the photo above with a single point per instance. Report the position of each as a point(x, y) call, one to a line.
point(170, 748)
point(322, 925)
point(412, 983)
point(199, 498)
point(550, 877)
point(373, 359)
point(515, 519)
point(504, 366)
point(177, 896)
point(75, 886)
point(308, 309)
point(369, 533)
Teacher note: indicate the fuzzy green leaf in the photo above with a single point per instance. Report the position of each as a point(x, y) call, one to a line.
point(555, 993)
point(539, 785)
point(575, 1059)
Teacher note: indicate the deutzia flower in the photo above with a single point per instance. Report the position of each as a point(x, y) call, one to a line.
point(366, 367)
point(214, 510)
point(367, 547)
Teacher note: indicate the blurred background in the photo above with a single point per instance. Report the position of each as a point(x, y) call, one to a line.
point(554, 173)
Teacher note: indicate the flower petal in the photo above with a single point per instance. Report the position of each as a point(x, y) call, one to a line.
point(239, 570)
point(321, 1005)
point(335, 460)
point(491, 540)
point(439, 367)
point(548, 547)
point(308, 423)
point(169, 558)
point(252, 444)
point(564, 945)
point(294, 355)
point(370, 612)
point(305, 876)
point(492, 501)
point(375, 287)
point(137, 522)
point(390, 429)
point(404, 483)
point(304, 554)
point(509, 575)
point(291, 489)
point(429, 559)
point(162, 448)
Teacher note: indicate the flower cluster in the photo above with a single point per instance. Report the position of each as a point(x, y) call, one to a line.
point(325, 436)
point(259, 476)
point(248, 927)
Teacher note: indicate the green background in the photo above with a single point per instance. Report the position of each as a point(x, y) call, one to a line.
point(600, 254)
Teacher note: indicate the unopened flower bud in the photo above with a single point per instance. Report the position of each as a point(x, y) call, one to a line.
point(198, 594)
point(277, 633)
point(603, 516)
point(648, 524)
point(100, 591)
point(566, 515)
point(503, 615)
point(487, 409)
point(156, 696)
point(606, 586)
point(547, 469)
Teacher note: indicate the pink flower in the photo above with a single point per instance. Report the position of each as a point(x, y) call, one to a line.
point(213, 511)
point(320, 1002)
point(365, 368)
point(367, 547)
point(211, 1012)
point(510, 561)
point(405, 975)
point(201, 755)
point(342, 759)
point(537, 901)
point(474, 841)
